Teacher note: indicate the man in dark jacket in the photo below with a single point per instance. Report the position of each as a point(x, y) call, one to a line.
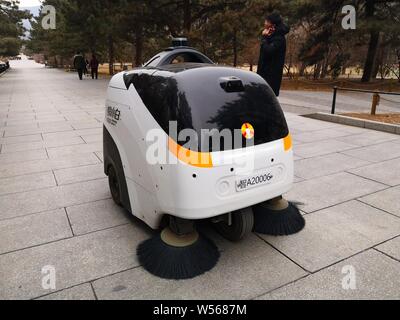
point(94, 66)
point(79, 64)
point(273, 51)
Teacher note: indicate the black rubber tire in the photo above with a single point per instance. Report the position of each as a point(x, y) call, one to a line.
point(115, 185)
point(242, 225)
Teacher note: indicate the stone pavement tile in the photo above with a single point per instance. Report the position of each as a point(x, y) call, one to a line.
point(326, 165)
point(387, 200)
point(337, 233)
point(377, 278)
point(92, 138)
point(27, 182)
point(98, 131)
point(369, 138)
point(354, 130)
point(36, 166)
point(59, 135)
point(25, 146)
point(76, 260)
point(21, 139)
point(387, 172)
point(77, 149)
point(78, 174)
point(23, 132)
point(63, 142)
point(86, 125)
point(55, 127)
point(22, 156)
point(33, 230)
point(324, 134)
point(82, 292)
point(376, 153)
point(100, 155)
point(319, 148)
point(96, 216)
point(304, 125)
point(245, 270)
point(25, 203)
point(20, 116)
point(27, 126)
point(323, 192)
point(391, 248)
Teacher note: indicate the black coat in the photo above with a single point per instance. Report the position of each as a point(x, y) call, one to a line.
point(272, 57)
point(79, 62)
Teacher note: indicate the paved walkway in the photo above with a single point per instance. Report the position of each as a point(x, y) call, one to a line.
point(55, 209)
point(306, 102)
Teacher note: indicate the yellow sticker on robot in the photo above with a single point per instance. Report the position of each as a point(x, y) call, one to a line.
point(248, 131)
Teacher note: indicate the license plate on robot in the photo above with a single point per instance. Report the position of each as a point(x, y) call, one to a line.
point(254, 181)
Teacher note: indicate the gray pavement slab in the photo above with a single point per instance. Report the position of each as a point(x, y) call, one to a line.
point(244, 271)
point(324, 134)
point(96, 216)
point(76, 260)
point(319, 148)
point(326, 165)
point(25, 146)
point(22, 156)
point(323, 192)
point(378, 172)
point(82, 292)
point(27, 183)
point(79, 174)
point(337, 233)
point(387, 200)
point(369, 137)
point(391, 248)
point(35, 166)
point(377, 277)
point(376, 153)
point(33, 230)
point(76, 149)
point(24, 203)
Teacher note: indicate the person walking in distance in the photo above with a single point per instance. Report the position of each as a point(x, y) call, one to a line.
point(94, 66)
point(273, 51)
point(79, 64)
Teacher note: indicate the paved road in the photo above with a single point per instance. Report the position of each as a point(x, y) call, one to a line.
point(306, 102)
point(55, 209)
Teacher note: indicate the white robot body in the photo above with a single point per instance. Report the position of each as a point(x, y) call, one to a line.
point(230, 180)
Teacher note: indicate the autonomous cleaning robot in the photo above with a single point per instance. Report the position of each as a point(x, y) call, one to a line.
point(237, 186)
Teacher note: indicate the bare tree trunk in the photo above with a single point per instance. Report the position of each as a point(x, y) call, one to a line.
point(187, 15)
point(302, 70)
point(373, 44)
point(139, 46)
point(111, 54)
point(235, 49)
point(317, 71)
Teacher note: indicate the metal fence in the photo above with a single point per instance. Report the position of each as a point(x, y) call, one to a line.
point(376, 98)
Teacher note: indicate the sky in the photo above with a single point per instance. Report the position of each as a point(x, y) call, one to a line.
point(29, 3)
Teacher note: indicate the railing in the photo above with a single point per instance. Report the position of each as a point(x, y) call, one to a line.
point(376, 98)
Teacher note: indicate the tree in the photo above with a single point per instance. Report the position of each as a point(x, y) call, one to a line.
point(11, 28)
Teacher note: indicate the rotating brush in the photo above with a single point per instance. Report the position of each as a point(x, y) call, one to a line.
point(278, 218)
point(178, 257)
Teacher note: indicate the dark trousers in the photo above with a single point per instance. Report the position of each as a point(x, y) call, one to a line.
point(95, 73)
point(80, 73)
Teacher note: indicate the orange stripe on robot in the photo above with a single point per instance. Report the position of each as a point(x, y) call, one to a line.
point(193, 158)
